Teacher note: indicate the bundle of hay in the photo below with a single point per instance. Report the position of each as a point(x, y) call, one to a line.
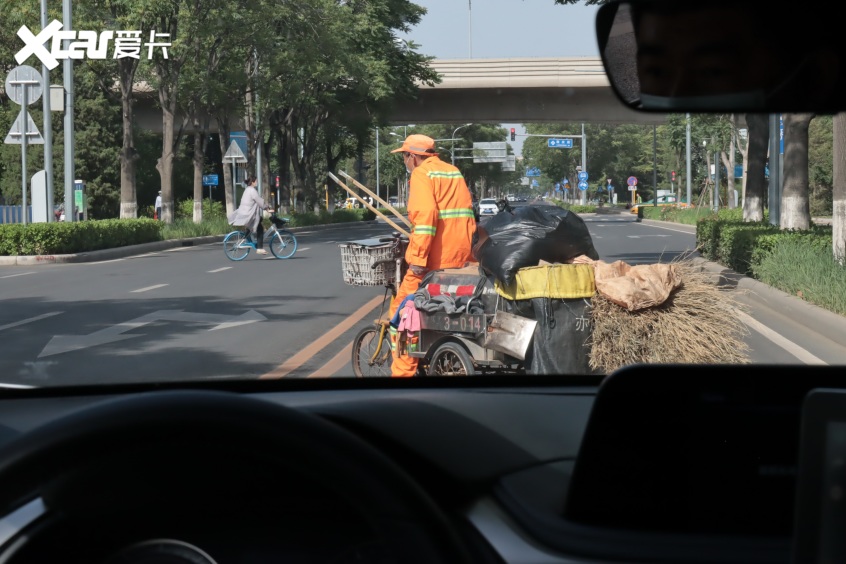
point(696, 324)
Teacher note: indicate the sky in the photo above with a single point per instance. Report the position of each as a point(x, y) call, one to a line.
point(460, 29)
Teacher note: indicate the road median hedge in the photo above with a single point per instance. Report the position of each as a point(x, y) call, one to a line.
point(78, 237)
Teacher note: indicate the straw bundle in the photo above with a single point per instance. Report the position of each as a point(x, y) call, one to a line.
point(697, 324)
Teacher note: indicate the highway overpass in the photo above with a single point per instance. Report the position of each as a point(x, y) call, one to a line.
point(514, 90)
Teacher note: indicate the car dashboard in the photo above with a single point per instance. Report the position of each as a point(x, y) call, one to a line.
point(651, 464)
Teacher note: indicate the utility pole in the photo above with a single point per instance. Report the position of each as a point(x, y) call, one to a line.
point(70, 214)
point(48, 124)
point(687, 172)
point(654, 166)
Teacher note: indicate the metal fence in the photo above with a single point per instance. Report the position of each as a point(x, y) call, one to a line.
point(14, 214)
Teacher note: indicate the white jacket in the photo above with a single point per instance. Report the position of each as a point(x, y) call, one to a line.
point(248, 213)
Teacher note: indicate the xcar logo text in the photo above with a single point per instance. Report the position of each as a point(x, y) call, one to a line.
point(90, 44)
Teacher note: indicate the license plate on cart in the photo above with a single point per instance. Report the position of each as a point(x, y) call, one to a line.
point(454, 323)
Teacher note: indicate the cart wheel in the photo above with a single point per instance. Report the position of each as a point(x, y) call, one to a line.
point(451, 359)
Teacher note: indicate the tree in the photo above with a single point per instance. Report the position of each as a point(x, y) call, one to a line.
point(795, 208)
point(838, 223)
point(123, 15)
point(753, 201)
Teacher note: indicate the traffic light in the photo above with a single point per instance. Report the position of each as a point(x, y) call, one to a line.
point(673, 176)
point(513, 134)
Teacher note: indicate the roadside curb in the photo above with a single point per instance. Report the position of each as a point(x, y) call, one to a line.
point(814, 317)
point(131, 250)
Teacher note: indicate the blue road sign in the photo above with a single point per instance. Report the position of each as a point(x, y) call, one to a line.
point(535, 183)
point(533, 171)
point(565, 181)
point(560, 143)
point(209, 180)
point(632, 181)
point(583, 175)
point(583, 185)
point(781, 134)
point(557, 187)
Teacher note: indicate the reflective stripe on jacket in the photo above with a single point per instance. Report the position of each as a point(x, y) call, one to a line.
point(441, 209)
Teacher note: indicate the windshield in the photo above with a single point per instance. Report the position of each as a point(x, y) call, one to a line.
point(296, 192)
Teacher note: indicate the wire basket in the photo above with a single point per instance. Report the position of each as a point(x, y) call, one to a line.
point(356, 261)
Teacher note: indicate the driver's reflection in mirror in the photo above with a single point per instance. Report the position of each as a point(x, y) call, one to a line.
point(726, 56)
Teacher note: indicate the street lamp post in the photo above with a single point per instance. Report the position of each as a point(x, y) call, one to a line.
point(452, 146)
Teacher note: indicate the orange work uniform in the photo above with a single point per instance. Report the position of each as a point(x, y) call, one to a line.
point(440, 208)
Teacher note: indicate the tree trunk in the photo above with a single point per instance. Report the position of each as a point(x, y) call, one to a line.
point(198, 161)
point(838, 217)
point(795, 206)
point(223, 136)
point(282, 157)
point(758, 138)
point(265, 171)
point(165, 162)
point(128, 154)
point(728, 161)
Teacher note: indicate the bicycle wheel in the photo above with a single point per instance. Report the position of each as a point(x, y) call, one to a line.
point(283, 244)
point(364, 347)
point(235, 246)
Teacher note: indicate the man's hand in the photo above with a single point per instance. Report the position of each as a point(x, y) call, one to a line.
point(419, 270)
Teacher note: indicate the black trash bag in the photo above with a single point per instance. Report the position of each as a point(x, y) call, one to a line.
point(561, 341)
point(530, 234)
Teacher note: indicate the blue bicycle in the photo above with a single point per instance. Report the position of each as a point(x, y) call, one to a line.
point(282, 243)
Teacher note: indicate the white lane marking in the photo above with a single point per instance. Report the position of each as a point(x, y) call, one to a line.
point(148, 288)
point(641, 236)
point(779, 340)
point(219, 269)
point(667, 228)
point(30, 320)
point(305, 249)
point(18, 274)
point(16, 386)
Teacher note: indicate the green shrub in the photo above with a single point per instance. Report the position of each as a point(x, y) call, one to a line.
point(707, 236)
point(818, 238)
point(802, 265)
point(737, 241)
point(366, 214)
point(345, 216)
point(214, 210)
point(77, 237)
point(186, 228)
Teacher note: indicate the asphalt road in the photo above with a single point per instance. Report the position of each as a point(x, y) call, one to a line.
point(190, 313)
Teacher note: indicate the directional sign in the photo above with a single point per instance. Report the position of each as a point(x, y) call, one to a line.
point(632, 181)
point(490, 152)
point(23, 78)
point(210, 180)
point(66, 343)
point(583, 175)
point(16, 133)
point(560, 143)
point(535, 183)
point(583, 185)
point(533, 171)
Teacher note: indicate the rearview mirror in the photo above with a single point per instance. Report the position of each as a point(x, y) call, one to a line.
point(722, 56)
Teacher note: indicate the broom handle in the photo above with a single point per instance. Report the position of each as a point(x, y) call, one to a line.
point(366, 203)
point(378, 199)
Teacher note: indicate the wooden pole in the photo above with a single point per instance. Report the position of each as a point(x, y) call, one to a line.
point(366, 203)
point(378, 199)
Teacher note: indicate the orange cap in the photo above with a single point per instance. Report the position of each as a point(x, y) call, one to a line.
point(417, 144)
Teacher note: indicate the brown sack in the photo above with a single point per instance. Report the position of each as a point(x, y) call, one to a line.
point(636, 287)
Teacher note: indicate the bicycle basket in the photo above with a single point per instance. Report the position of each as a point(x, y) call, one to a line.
point(357, 258)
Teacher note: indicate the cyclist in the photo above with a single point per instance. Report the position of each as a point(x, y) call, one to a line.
point(441, 209)
point(248, 214)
